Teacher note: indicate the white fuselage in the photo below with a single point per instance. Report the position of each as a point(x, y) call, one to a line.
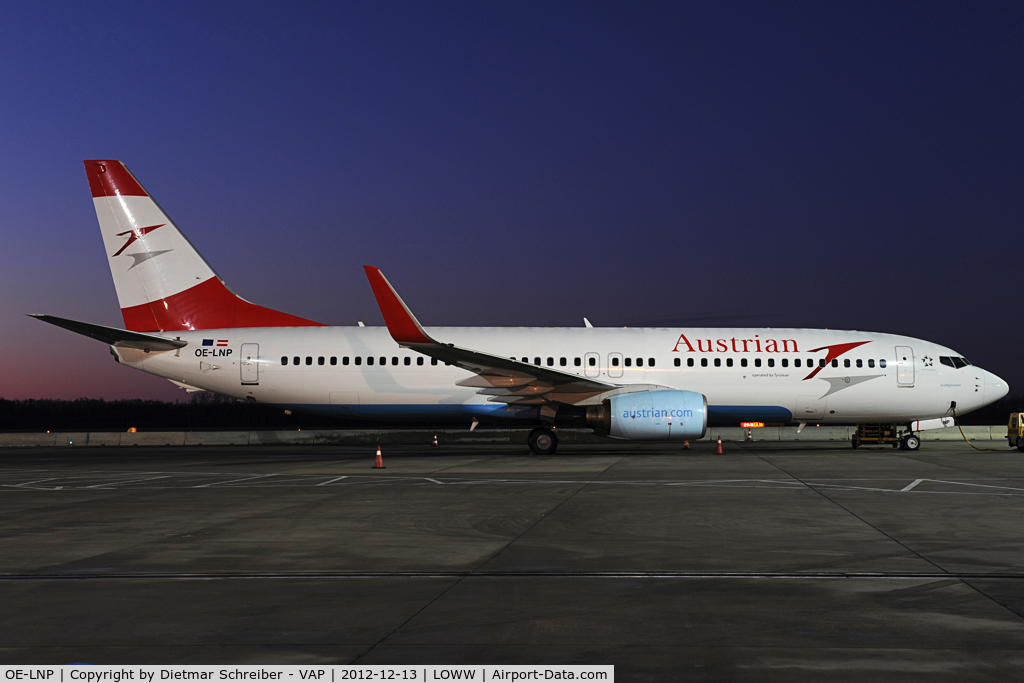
point(773, 375)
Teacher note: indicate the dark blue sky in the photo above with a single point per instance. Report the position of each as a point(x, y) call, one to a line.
point(800, 164)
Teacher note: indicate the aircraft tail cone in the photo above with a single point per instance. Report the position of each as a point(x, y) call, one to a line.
point(379, 465)
point(434, 444)
point(719, 451)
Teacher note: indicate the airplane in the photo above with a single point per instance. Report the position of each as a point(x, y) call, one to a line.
point(182, 323)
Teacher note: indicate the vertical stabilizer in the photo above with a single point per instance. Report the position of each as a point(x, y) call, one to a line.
point(162, 282)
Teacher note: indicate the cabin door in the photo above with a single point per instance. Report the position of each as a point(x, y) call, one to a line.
point(250, 368)
point(904, 366)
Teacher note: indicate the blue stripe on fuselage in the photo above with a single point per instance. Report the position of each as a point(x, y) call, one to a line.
point(717, 415)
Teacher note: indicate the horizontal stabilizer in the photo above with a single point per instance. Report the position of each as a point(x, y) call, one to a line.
point(113, 335)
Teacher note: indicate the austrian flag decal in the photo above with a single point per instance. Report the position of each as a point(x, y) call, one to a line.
point(220, 342)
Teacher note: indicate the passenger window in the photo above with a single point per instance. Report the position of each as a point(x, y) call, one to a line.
point(309, 360)
point(785, 362)
point(757, 362)
point(881, 363)
point(369, 360)
point(394, 360)
point(320, 360)
point(810, 363)
point(615, 362)
point(284, 360)
point(408, 361)
point(860, 363)
point(577, 362)
point(593, 362)
point(677, 362)
point(359, 360)
point(639, 362)
point(703, 362)
point(629, 362)
point(796, 362)
point(383, 360)
point(771, 362)
point(650, 362)
point(419, 360)
point(433, 361)
point(846, 363)
point(551, 362)
point(743, 362)
point(871, 362)
point(689, 362)
point(334, 360)
point(728, 362)
point(562, 362)
point(344, 360)
point(718, 362)
point(525, 359)
point(821, 362)
point(536, 361)
point(295, 360)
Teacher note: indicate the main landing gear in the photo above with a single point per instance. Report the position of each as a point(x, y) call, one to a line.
point(543, 441)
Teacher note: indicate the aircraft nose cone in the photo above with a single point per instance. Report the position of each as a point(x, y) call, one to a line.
point(995, 388)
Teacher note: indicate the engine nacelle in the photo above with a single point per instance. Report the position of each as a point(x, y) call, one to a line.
point(664, 415)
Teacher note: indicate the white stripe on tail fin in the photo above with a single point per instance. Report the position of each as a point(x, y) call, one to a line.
point(162, 282)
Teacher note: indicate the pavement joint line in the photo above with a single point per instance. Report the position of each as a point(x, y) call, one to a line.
point(225, 576)
point(910, 487)
point(856, 516)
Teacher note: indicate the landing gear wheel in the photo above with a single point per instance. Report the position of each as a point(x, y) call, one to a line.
point(542, 441)
point(911, 442)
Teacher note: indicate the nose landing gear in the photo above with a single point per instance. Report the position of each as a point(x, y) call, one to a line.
point(910, 442)
point(542, 441)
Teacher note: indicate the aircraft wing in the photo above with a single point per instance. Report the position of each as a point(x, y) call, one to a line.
point(504, 380)
point(113, 335)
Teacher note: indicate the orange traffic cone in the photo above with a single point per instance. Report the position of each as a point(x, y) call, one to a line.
point(719, 451)
point(379, 465)
point(686, 445)
point(435, 440)
point(750, 435)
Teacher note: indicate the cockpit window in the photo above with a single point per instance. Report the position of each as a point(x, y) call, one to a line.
point(964, 361)
point(946, 360)
point(954, 361)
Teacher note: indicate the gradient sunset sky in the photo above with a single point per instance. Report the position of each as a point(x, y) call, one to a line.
point(845, 165)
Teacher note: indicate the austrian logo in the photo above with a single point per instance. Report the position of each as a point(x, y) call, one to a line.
point(758, 345)
point(135, 234)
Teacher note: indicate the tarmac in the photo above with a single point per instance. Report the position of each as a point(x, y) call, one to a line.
point(772, 562)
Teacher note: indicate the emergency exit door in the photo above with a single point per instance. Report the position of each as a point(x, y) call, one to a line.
point(249, 365)
point(904, 366)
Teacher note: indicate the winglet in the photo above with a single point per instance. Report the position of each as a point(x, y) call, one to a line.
point(402, 324)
